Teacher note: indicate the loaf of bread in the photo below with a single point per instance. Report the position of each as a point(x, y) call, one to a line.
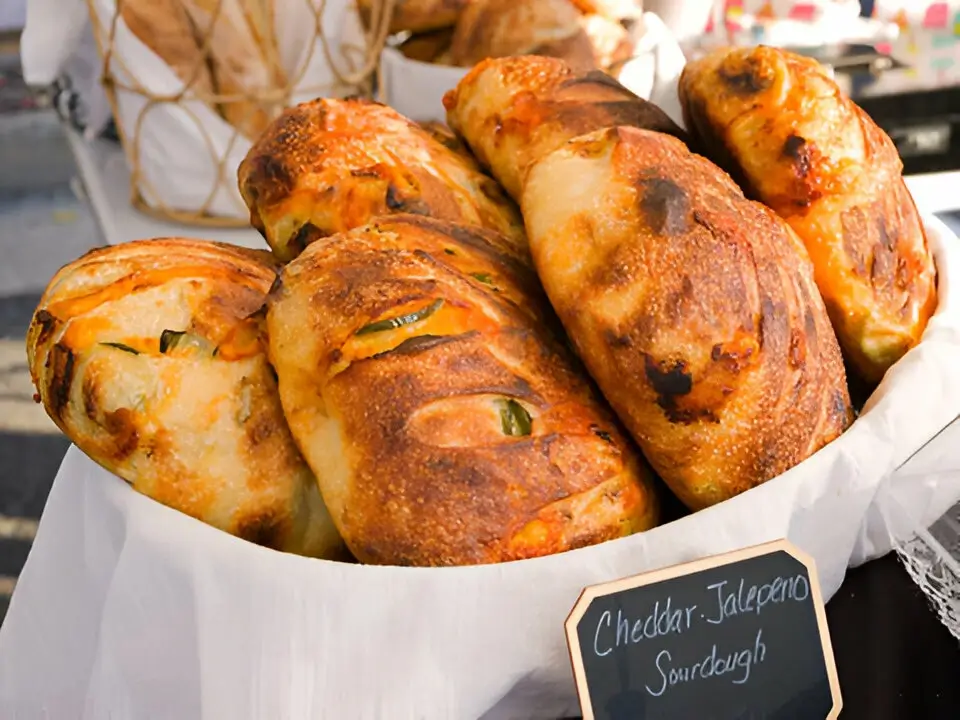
point(782, 126)
point(504, 28)
point(147, 355)
point(165, 27)
point(693, 308)
point(243, 59)
point(416, 15)
point(331, 165)
point(428, 47)
point(445, 423)
point(512, 111)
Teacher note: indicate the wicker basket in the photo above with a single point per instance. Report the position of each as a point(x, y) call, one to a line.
point(180, 127)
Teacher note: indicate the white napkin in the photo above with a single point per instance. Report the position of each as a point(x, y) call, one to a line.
point(654, 71)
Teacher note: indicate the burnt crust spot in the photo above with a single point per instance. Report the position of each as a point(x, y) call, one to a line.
point(747, 79)
point(666, 206)
point(395, 202)
point(47, 323)
point(307, 234)
point(62, 364)
point(732, 361)
point(269, 178)
point(798, 151)
point(600, 433)
point(669, 379)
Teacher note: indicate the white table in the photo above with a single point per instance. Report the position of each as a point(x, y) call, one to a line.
point(106, 179)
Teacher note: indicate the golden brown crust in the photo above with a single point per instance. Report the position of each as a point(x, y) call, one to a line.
point(782, 126)
point(693, 308)
point(331, 165)
point(512, 111)
point(417, 432)
point(193, 421)
point(418, 15)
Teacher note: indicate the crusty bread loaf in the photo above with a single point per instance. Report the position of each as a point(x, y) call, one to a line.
point(445, 422)
point(148, 356)
point(165, 27)
point(417, 15)
point(327, 166)
point(512, 111)
point(503, 28)
point(694, 309)
point(781, 125)
point(241, 67)
point(261, 20)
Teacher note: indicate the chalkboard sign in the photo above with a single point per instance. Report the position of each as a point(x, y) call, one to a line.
point(737, 636)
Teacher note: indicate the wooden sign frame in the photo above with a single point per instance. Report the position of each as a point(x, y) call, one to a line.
point(593, 592)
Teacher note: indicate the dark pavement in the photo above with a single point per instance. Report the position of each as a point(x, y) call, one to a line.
point(43, 224)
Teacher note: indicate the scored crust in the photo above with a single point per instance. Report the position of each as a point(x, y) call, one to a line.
point(693, 308)
point(445, 423)
point(512, 111)
point(331, 165)
point(147, 355)
point(778, 123)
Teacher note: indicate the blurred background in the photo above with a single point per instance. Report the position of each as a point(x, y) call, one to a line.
point(64, 186)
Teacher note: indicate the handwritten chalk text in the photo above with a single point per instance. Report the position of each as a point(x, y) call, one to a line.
point(738, 665)
point(753, 599)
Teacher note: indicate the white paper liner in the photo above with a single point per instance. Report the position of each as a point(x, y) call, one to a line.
point(416, 89)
